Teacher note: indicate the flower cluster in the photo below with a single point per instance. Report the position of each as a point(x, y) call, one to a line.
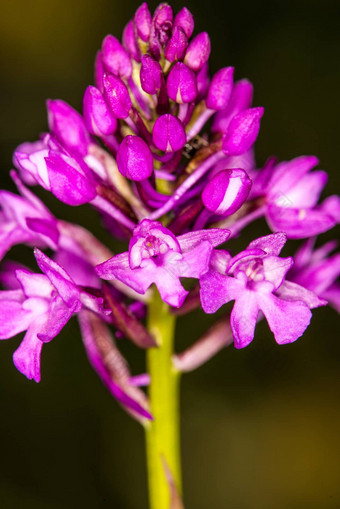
point(142, 154)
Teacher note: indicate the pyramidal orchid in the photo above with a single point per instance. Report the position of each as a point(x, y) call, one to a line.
point(164, 152)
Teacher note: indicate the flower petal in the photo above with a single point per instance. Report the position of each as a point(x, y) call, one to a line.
point(27, 357)
point(243, 318)
point(215, 236)
point(59, 278)
point(299, 223)
point(217, 289)
point(13, 317)
point(287, 320)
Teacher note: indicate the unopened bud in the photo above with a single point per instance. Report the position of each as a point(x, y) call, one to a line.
point(150, 75)
point(168, 133)
point(220, 89)
point(117, 96)
point(97, 116)
point(134, 158)
point(227, 191)
point(181, 84)
point(198, 51)
point(242, 131)
point(68, 126)
point(115, 57)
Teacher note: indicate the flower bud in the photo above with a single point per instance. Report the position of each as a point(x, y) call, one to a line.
point(185, 20)
point(241, 99)
point(150, 75)
point(220, 89)
point(68, 126)
point(168, 133)
point(129, 41)
point(242, 131)
point(175, 49)
point(134, 158)
point(97, 116)
point(161, 27)
point(162, 21)
point(181, 84)
point(115, 58)
point(142, 22)
point(227, 191)
point(198, 51)
point(117, 96)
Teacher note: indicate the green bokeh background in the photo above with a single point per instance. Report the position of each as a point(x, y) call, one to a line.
point(260, 427)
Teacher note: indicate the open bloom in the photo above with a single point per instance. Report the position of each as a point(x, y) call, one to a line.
point(292, 193)
point(157, 256)
point(41, 304)
point(253, 279)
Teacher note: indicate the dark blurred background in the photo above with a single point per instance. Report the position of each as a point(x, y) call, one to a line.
point(260, 426)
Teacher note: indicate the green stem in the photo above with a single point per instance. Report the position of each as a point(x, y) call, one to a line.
point(162, 434)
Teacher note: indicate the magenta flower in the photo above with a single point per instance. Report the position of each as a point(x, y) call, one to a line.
point(42, 305)
point(253, 278)
point(165, 153)
point(157, 256)
point(292, 193)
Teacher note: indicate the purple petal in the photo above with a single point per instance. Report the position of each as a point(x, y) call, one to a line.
point(185, 20)
point(27, 357)
point(275, 269)
point(129, 41)
point(287, 320)
point(177, 45)
point(243, 318)
point(193, 263)
point(241, 99)
point(217, 289)
point(115, 58)
point(288, 173)
point(134, 158)
point(151, 75)
point(56, 318)
point(242, 131)
point(59, 278)
point(68, 126)
point(117, 96)
point(306, 192)
point(142, 22)
point(69, 183)
point(332, 295)
point(181, 84)
point(270, 244)
point(198, 51)
point(299, 223)
point(215, 236)
point(220, 89)
point(168, 133)
point(292, 292)
point(226, 191)
point(46, 228)
point(34, 285)
point(13, 317)
point(97, 116)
